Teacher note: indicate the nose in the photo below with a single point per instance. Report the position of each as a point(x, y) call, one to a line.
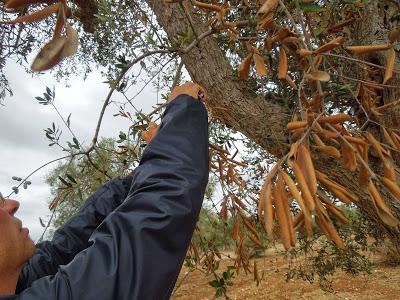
point(10, 206)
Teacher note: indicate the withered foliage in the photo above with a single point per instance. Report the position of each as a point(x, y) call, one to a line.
point(293, 181)
point(65, 39)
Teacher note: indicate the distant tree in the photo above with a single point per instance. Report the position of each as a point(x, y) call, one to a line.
point(74, 180)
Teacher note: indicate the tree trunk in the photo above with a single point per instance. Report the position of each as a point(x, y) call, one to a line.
point(233, 102)
point(261, 120)
point(380, 18)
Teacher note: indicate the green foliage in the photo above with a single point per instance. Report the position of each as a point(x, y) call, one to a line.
point(318, 259)
point(222, 283)
point(213, 230)
point(74, 180)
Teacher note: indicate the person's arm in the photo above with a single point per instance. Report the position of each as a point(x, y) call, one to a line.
point(73, 237)
point(138, 250)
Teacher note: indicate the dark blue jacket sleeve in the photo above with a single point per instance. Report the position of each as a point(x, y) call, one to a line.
point(73, 237)
point(137, 252)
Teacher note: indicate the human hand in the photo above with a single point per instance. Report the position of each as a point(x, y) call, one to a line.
point(191, 89)
point(150, 132)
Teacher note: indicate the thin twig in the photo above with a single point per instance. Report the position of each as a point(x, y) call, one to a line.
point(97, 167)
point(177, 75)
point(42, 166)
point(65, 123)
point(135, 61)
point(357, 61)
point(189, 18)
point(371, 83)
point(180, 282)
point(47, 226)
point(110, 93)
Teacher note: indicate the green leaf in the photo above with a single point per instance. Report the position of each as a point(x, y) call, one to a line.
point(69, 120)
point(101, 17)
point(80, 194)
point(311, 7)
point(49, 136)
point(64, 181)
point(15, 189)
point(76, 143)
point(214, 283)
point(72, 179)
point(219, 292)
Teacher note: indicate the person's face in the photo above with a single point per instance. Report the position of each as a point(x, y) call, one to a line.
point(16, 247)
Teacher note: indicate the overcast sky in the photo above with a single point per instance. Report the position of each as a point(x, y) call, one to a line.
point(23, 146)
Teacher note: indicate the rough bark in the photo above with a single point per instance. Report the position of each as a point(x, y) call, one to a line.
point(256, 117)
point(231, 101)
point(380, 19)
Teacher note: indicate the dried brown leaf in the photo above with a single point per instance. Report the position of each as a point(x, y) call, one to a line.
point(329, 150)
point(335, 119)
point(23, 3)
point(298, 220)
point(60, 23)
point(71, 47)
point(224, 211)
point(244, 68)
point(37, 16)
point(392, 187)
point(391, 60)
point(368, 49)
point(50, 55)
point(394, 35)
point(319, 76)
point(304, 53)
point(283, 64)
point(305, 192)
point(355, 140)
point(364, 176)
point(281, 215)
point(296, 194)
point(381, 207)
point(305, 162)
point(296, 125)
point(207, 6)
point(349, 158)
point(268, 7)
point(259, 62)
point(382, 153)
point(336, 211)
point(318, 140)
point(247, 223)
point(339, 191)
point(389, 140)
point(269, 215)
point(324, 222)
point(337, 42)
point(256, 241)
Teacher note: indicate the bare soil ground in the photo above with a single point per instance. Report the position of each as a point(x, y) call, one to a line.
point(383, 283)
